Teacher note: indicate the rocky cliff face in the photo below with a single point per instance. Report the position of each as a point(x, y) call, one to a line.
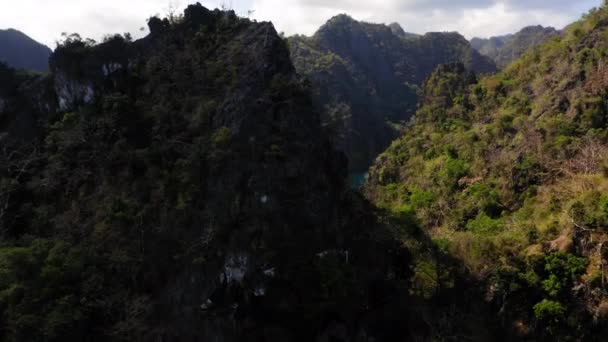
point(180, 188)
point(365, 79)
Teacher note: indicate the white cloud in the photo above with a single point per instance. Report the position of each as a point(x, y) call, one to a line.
point(45, 20)
point(470, 17)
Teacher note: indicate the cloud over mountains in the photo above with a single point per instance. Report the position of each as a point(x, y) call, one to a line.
point(45, 20)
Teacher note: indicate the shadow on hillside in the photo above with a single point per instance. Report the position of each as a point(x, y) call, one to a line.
point(444, 301)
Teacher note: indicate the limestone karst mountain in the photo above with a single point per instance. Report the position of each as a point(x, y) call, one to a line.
point(365, 78)
point(180, 188)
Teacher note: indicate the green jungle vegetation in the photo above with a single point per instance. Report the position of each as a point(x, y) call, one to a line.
point(509, 175)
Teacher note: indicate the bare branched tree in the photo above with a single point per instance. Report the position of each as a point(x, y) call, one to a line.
point(16, 164)
point(226, 5)
point(172, 11)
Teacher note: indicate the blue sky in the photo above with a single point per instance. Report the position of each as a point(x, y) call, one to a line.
point(45, 20)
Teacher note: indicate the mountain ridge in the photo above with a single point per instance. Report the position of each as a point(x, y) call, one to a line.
point(365, 78)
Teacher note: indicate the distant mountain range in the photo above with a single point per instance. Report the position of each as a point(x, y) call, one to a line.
point(365, 78)
point(22, 52)
point(505, 49)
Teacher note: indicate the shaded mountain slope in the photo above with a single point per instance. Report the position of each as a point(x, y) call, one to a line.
point(179, 188)
point(365, 78)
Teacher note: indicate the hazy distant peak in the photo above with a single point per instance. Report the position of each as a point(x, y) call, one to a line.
point(22, 52)
point(397, 29)
point(504, 49)
point(536, 28)
point(447, 34)
point(341, 19)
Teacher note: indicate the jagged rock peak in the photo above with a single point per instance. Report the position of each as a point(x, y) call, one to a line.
point(397, 29)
